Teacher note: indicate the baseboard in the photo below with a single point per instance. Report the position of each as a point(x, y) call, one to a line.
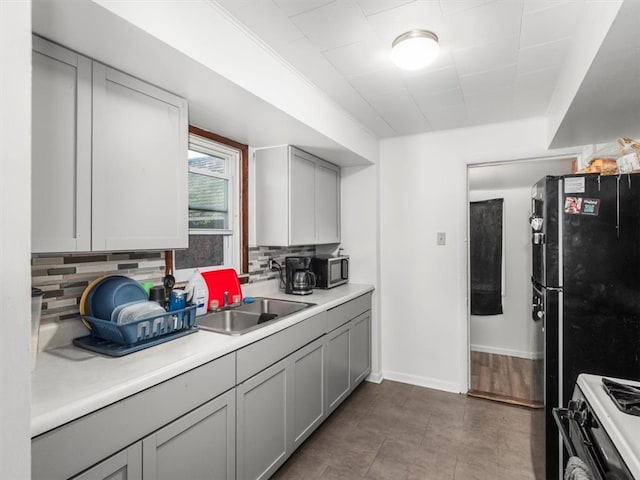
point(375, 377)
point(508, 352)
point(427, 382)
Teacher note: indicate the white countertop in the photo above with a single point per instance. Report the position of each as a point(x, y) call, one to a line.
point(622, 428)
point(70, 382)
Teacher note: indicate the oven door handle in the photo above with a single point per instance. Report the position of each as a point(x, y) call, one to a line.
point(560, 414)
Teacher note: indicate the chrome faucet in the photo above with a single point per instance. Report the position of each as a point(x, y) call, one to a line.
point(225, 301)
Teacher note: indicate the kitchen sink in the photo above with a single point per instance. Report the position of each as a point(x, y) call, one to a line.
point(274, 306)
point(251, 316)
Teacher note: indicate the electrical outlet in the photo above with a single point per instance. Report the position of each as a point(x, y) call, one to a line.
point(442, 238)
point(270, 264)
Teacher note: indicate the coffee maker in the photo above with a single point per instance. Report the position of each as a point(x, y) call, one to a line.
point(299, 279)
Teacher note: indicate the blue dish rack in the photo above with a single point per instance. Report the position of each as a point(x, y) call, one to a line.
point(116, 340)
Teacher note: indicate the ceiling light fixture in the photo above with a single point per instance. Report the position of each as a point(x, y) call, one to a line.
point(415, 49)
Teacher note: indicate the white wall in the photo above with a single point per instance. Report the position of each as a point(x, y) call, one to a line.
point(423, 287)
point(511, 333)
point(15, 243)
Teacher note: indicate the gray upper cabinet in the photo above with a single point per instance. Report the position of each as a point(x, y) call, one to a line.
point(61, 149)
point(328, 206)
point(139, 164)
point(109, 158)
point(297, 198)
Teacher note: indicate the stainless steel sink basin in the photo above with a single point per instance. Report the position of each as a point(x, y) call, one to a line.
point(246, 318)
point(273, 305)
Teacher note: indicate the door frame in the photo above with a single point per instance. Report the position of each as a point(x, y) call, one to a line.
point(542, 158)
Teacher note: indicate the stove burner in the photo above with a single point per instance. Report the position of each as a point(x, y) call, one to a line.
point(625, 397)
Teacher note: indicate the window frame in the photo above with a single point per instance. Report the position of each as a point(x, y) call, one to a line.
point(239, 190)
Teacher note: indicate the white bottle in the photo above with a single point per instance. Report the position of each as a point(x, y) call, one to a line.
point(198, 292)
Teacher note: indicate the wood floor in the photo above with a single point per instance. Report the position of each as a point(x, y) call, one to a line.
point(506, 378)
point(395, 431)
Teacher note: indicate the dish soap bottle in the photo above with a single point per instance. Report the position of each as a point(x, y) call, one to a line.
point(198, 292)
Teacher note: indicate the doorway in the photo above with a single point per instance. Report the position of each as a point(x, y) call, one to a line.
point(506, 359)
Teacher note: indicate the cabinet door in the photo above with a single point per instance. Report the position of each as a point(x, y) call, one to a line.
point(307, 396)
point(360, 350)
point(125, 465)
point(199, 445)
point(302, 198)
point(262, 423)
point(338, 369)
point(139, 164)
point(61, 150)
point(328, 203)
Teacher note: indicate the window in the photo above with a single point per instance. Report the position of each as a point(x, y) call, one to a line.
point(216, 169)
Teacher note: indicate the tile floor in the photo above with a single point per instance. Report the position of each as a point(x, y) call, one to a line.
point(398, 431)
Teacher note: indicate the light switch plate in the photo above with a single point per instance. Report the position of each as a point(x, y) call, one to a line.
point(442, 238)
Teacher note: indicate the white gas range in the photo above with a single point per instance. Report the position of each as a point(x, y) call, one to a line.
point(605, 436)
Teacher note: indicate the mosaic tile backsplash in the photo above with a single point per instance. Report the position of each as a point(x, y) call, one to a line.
point(63, 277)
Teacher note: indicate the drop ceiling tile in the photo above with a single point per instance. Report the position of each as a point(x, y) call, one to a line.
point(550, 24)
point(424, 15)
point(533, 92)
point(268, 22)
point(487, 81)
point(490, 56)
point(531, 6)
point(295, 7)
point(234, 5)
point(400, 111)
point(492, 107)
point(358, 58)
point(487, 23)
point(443, 110)
point(543, 56)
point(312, 64)
point(539, 80)
point(449, 7)
point(360, 109)
point(375, 83)
point(454, 116)
point(433, 82)
point(370, 7)
point(333, 25)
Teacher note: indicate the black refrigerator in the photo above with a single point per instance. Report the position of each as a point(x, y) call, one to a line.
point(586, 289)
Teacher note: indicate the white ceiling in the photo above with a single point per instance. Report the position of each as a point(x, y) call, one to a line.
point(499, 61)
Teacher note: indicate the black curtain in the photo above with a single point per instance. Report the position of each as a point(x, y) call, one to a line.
point(485, 239)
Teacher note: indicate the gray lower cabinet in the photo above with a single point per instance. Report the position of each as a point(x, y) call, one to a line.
point(197, 425)
point(125, 465)
point(200, 445)
point(360, 348)
point(307, 402)
point(196, 407)
point(262, 423)
point(278, 409)
point(338, 368)
point(348, 349)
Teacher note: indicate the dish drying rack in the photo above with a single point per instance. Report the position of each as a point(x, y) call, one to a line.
point(115, 339)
